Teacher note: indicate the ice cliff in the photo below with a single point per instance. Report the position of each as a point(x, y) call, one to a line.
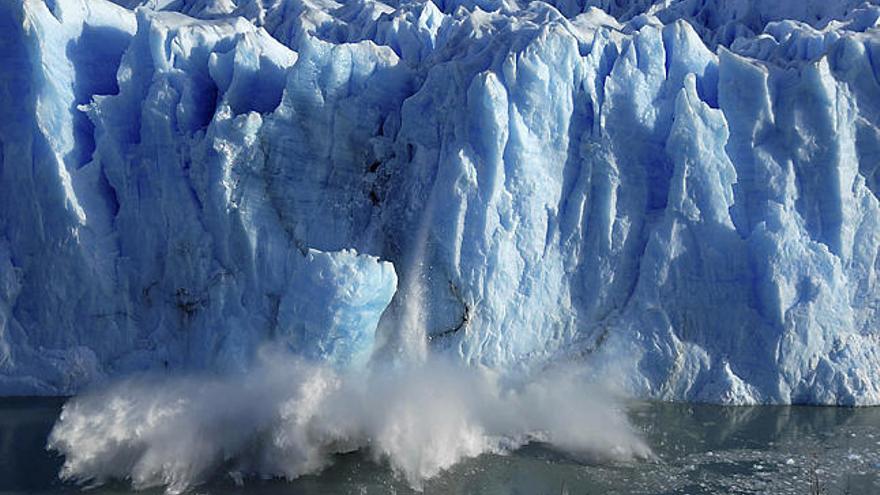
point(681, 195)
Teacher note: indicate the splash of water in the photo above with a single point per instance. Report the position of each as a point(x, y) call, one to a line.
point(286, 418)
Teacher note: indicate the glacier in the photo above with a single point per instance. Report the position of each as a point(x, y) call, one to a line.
point(681, 196)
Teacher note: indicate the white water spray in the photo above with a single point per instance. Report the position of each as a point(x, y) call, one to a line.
point(286, 418)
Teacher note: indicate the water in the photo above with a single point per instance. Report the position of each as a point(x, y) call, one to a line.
point(701, 450)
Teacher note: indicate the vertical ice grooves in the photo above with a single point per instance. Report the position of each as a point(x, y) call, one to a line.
point(565, 180)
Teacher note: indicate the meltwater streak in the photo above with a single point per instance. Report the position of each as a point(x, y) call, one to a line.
point(286, 418)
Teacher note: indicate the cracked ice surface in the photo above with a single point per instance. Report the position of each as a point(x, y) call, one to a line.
point(680, 194)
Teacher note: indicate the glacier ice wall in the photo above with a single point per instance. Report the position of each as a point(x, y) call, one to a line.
point(681, 194)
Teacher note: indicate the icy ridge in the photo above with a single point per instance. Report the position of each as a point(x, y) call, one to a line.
point(681, 195)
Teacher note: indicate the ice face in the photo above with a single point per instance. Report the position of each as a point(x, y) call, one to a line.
point(680, 196)
point(140, 232)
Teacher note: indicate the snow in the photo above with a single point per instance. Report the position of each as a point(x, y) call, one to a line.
point(679, 196)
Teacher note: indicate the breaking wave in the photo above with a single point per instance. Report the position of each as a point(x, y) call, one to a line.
point(287, 417)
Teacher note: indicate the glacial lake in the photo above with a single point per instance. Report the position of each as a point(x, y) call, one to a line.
point(701, 450)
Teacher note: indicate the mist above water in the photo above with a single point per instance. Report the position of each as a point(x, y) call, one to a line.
point(287, 417)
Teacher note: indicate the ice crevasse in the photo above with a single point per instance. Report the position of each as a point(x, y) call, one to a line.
point(681, 195)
